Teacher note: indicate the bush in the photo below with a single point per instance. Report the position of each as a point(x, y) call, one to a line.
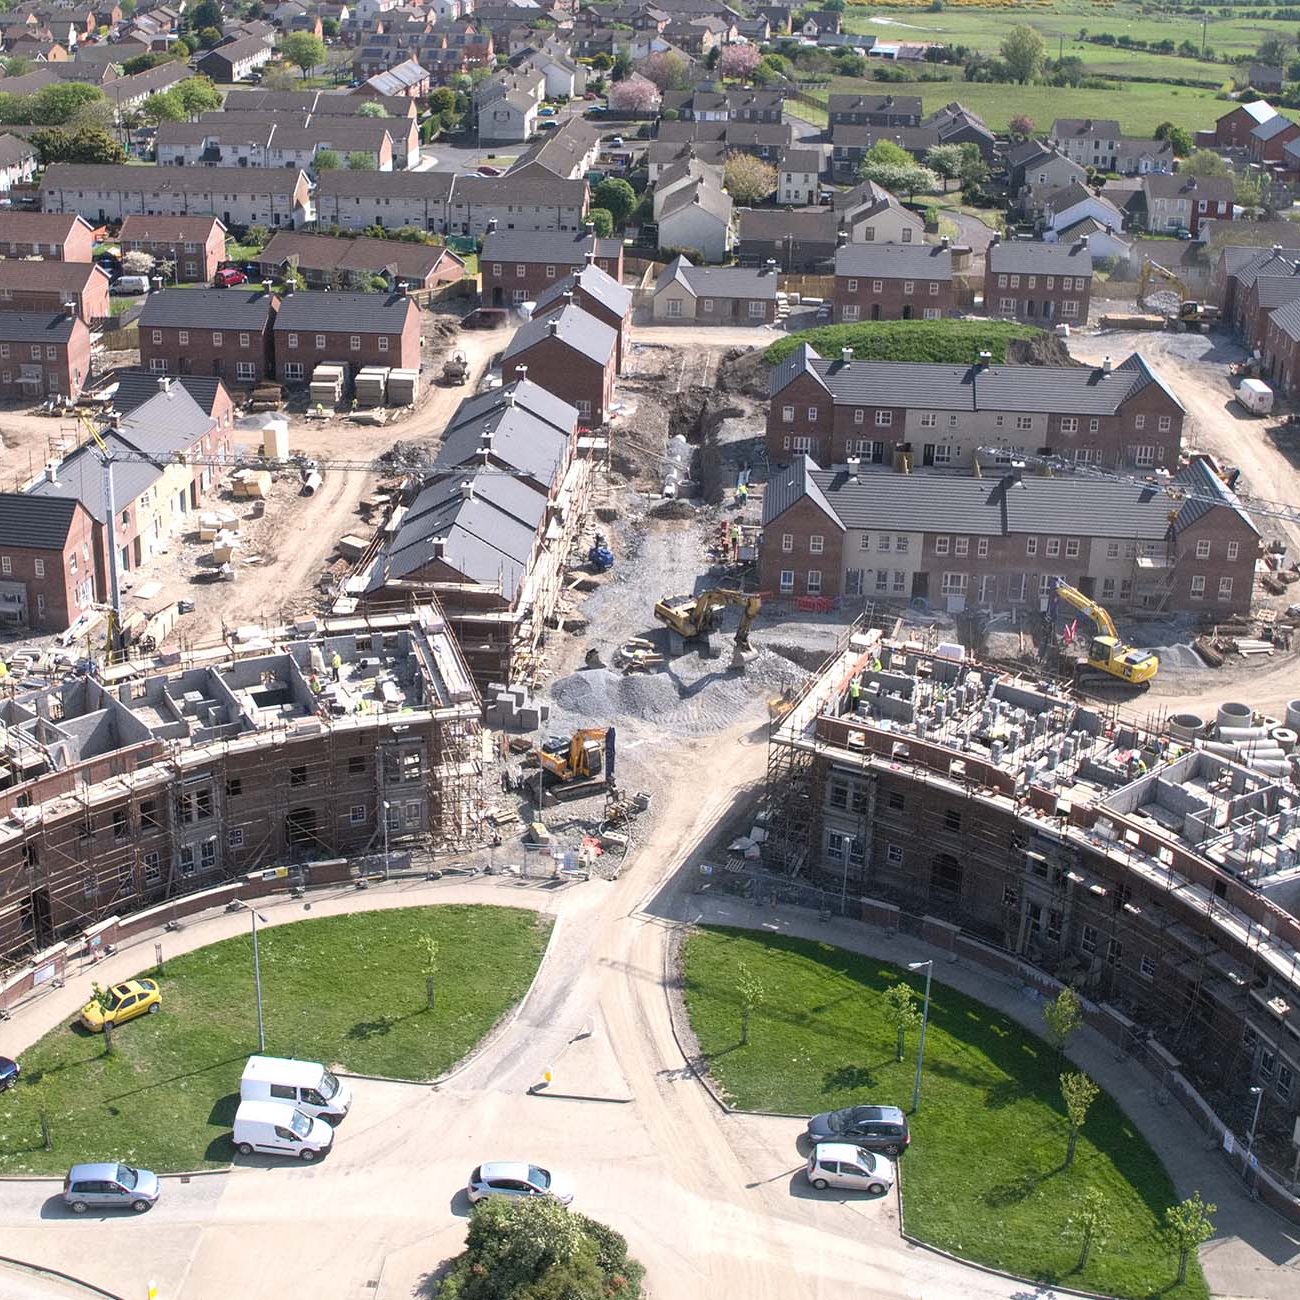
point(950, 342)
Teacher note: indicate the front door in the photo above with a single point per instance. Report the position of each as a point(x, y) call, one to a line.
point(920, 585)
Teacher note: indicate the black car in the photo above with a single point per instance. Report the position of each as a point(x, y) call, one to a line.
point(9, 1071)
point(874, 1128)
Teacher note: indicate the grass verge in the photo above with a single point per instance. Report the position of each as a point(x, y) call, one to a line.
point(984, 1176)
point(346, 990)
point(950, 342)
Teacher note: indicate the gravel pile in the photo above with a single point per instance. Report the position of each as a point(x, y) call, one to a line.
point(1164, 301)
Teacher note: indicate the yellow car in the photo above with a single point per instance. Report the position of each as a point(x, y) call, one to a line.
point(126, 1001)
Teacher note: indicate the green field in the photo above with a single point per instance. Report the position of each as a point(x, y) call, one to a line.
point(346, 990)
point(984, 1176)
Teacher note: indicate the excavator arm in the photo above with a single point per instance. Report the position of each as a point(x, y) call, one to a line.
point(697, 616)
point(1089, 608)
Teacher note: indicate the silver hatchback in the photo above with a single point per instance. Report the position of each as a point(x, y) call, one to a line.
point(841, 1164)
point(110, 1186)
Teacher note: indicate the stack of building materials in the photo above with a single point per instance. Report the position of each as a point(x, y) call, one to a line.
point(514, 709)
point(403, 387)
point(213, 522)
point(223, 547)
point(372, 385)
point(251, 482)
point(275, 439)
point(328, 382)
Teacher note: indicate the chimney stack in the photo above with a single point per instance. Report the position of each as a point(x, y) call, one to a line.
point(997, 239)
point(589, 227)
point(591, 259)
point(552, 327)
point(164, 383)
point(521, 373)
point(1107, 365)
point(945, 242)
point(846, 356)
point(854, 463)
point(492, 226)
point(439, 545)
point(985, 359)
point(467, 490)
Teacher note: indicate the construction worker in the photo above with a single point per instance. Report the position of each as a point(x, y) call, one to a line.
point(742, 494)
point(855, 692)
point(735, 543)
point(336, 663)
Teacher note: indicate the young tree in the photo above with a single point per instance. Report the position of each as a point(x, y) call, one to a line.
point(1203, 162)
point(749, 180)
point(163, 106)
point(974, 171)
point(602, 222)
point(1021, 126)
point(1188, 1224)
point(621, 66)
point(131, 120)
point(304, 51)
point(1023, 51)
point(104, 1000)
point(138, 262)
point(634, 94)
point(197, 95)
point(1079, 1093)
point(945, 160)
point(327, 160)
point(372, 109)
point(902, 1012)
point(361, 161)
point(666, 69)
point(617, 197)
point(752, 994)
point(887, 152)
point(329, 28)
point(738, 61)
point(429, 950)
point(1180, 139)
point(1063, 1016)
point(1089, 1221)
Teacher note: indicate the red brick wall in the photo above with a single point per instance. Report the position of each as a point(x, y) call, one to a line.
point(1039, 294)
point(197, 351)
point(562, 371)
point(806, 396)
point(500, 286)
point(802, 524)
point(57, 588)
point(892, 301)
point(401, 350)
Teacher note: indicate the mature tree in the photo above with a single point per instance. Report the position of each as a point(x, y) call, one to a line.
point(749, 180)
point(667, 70)
point(197, 95)
point(617, 197)
point(899, 178)
point(1063, 1017)
point(1021, 126)
point(1247, 190)
point(55, 104)
point(886, 151)
point(974, 171)
point(752, 994)
point(902, 1012)
point(209, 37)
point(442, 100)
point(1079, 1093)
point(634, 94)
point(1179, 137)
point(1188, 1224)
point(95, 113)
point(429, 965)
point(621, 66)
point(945, 160)
point(303, 50)
point(738, 61)
point(371, 109)
point(1090, 1222)
point(327, 160)
point(1273, 50)
point(207, 13)
point(602, 221)
point(1023, 51)
point(164, 106)
point(361, 161)
point(1203, 162)
point(79, 144)
point(329, 28)
point(602, 62)
point(149, 59)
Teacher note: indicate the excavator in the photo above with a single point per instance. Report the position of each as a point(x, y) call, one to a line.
point(694, 617)
point(1106, 652)
point(1192, 312)
point(578, 761)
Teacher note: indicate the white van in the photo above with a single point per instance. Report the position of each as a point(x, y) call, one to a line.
point(305, 1084)
point(130, 284)
point(278, 1129)
point(1256, 396)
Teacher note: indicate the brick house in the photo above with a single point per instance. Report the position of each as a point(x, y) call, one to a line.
point(46, 578)
point(795, 241)
point(50, 286)
point(1260, 299)
point(196, 244)
point(56, 237)
point(355, 200)
point(518, 265)
point(570, 354)
point(43, 354)
point(1175, 202)
point(1269, 139)
point(715, 295)
point(1037, 283)
point(230, 63)
point(874, 110)
point(1280, 350)
point(1236, 269)
point(1002, 543)
point(220, 332)
point(1232, 130)
point(893, 282)
point(1091, 142)
point(922, 415)
point(135, 387)
point(598, 294)
point(361, 329)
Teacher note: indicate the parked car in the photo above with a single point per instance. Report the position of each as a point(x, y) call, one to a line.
point(486, 170)
point(514, 1178)
point(9, 1072)
point(874, 1128)
point(126, 1001)
point(110, 1186)
point(551, 125)
point(111, 263)
point(546, 112)
point(278, 1128)
point(841, 1164)
point(617, 141)
point(228, 277)
point(308, 1085)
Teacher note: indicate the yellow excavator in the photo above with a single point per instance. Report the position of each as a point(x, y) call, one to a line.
point(1192, 312)
point(581, 757)
point(693, 617)
point(1106, 652)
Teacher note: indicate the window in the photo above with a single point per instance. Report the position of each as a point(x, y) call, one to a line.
point(152, 869)
point(1015, 282)
point(835, 846)
point(812, 415)
point(1225, 588)
point(6, 564)
point(1139, 421)
point(961, 546)
point(1107, 588)
point(521, 270)
point(865, 541)
point(1024, 422)
point(899, 584)
point(298, 774)
point(787, 542)
point(1069, 424)
point(183, 338)
point(357, 815)
point(787, 412)
point(354, 342)
point(787, 580)
point(944, 453)
point(1114, 951)
point(1285, 1079)
point(157, 338)
point(234, 787)
point(941, 545)
point(816, 544)
point(814, 582)
point(982, 547)
point(40, 568)
point(1016, 587)
point(1053, 546)
point(1147, 966)
point(550, 273)
point(1166, 423)
point(859, 415)
point(383, 343)
point(293, 340)
point(1145, 456)
point(886, 542)
point(894, 854)
point(243, 339)
point(852, 286)
point(246, 370)
point(934, 288)
point(496, 268)
point(884, 419)
point(929, 420)
point(320, 342)
point(235, 838)
point(900, 544)
point(1031, 545)
point(292, 369)
point(1006, 304)
point(954, 584)
point(1088, 940)
point(877, 286)
point(802, 445)
point(908, 287)
point(675, 309)
point(758, 308)
point(1002, 282)
point(216, 338)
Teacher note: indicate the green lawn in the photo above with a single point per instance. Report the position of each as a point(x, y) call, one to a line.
point(983, 1177)
point(345, 990)
point(949, 342)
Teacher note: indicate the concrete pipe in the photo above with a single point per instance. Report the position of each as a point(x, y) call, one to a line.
point(311, 484)
point(1285, 737)
point(1220, 750)
point(1273, 755)
point(1186, 726)
point(1242, 733)
point(1293, 715)
point(1232, 713)
point(1272, 767)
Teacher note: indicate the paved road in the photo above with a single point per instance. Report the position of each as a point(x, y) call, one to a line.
point(712, 1203)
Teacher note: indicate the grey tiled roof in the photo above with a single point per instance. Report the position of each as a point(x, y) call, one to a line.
point(591, 279)
point(574, 327)
point(36, 326)
point(359, 313)
point(41, 523)
point(788, 484)
point(218, 309)
point(135, 387)
point(1025, 257)
point(552, 247)
point(894, 261)
point(535, 399)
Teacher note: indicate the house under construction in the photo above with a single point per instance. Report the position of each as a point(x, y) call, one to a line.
point(1156, 867)
point(116, 795)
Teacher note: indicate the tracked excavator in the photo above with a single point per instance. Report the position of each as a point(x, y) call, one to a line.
point(1106, 653)
point(1192, 313)
point(578, 763)
point(694, 618)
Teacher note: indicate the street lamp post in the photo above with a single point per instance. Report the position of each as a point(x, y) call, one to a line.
point(255, 916)
point(1258, 1093)
point(387, 805)
point(928, 965)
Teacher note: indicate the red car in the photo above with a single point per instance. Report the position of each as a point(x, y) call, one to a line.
point(486, 170)
point(228, 277)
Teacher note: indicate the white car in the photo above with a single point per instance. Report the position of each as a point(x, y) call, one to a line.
point(841, 1164)
point(515, 1178)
